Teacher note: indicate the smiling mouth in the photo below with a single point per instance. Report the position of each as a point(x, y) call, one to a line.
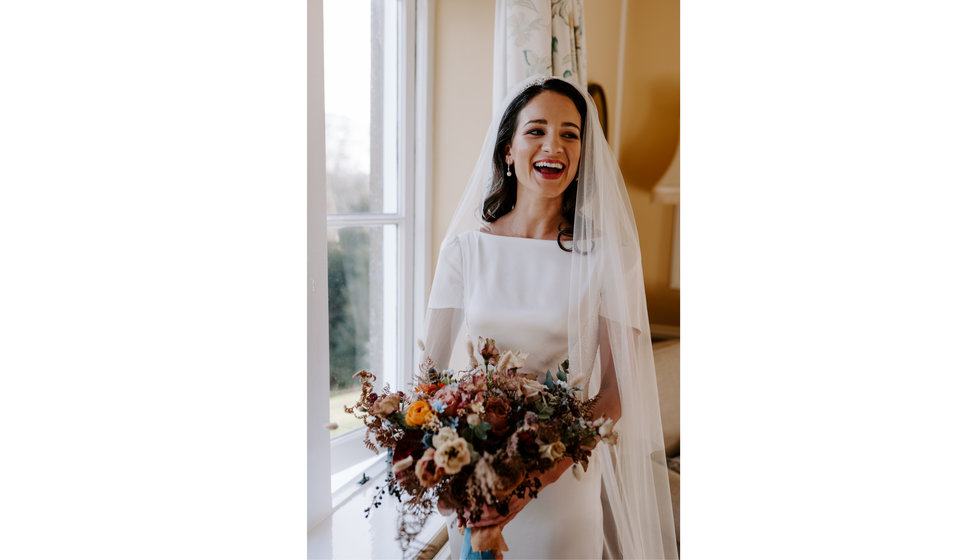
point(549, 169)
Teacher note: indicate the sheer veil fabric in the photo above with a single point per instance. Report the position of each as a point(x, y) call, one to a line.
point(608, 336)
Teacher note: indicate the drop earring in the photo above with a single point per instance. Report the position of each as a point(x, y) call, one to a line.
point(509, 166)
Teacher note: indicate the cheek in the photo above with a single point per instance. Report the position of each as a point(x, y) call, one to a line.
point(577, 162)
point(524, 150)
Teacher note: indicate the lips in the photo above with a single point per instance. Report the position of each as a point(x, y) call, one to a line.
point(549, 168)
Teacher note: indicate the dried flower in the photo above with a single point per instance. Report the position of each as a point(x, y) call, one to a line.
point(386, 405)
point(488, 350)
point(509, 475)
point(606, 432)
point(552, 451)
point(472, 354)
point(426, 469)
point(484, 477)
point(605, 426)
point(433, 424)
point(399, 466)
point(531, 388)
point(510, 360)
point(497, 412)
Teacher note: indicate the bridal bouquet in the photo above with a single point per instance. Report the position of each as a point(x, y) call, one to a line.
point(474, 439)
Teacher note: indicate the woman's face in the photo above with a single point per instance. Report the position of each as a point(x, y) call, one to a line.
point(546, 145)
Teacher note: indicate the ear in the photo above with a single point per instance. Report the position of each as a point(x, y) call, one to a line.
point(508, 159)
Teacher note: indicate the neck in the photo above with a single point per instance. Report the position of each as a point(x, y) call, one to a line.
point(535, 218)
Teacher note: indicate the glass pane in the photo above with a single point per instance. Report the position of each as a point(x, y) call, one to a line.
point(362, 287)
point(360, 103)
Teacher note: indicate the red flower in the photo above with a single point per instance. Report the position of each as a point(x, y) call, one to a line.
point(527, 444)
point(409, 444)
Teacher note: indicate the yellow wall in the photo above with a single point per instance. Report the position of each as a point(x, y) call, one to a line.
point(650, 123)
point(463, 87)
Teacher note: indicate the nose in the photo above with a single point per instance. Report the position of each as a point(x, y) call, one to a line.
point(552, 143)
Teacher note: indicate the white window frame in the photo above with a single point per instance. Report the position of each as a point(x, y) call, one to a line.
point(331, 464)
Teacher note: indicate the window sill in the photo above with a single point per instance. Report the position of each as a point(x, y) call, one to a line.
point(346, 533)
point(347, 482)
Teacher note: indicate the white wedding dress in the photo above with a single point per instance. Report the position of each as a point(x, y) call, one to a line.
point(516, 290)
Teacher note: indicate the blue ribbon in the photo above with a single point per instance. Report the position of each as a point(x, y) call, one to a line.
point(467, 553)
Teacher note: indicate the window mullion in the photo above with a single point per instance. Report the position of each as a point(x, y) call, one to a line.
point(340, 220)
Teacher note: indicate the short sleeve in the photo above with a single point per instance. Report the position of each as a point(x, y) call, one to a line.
point(447, 284)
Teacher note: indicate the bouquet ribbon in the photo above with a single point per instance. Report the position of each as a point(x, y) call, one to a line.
point(483, 543)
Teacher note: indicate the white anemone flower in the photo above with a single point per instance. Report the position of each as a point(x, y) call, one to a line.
point(453, 456)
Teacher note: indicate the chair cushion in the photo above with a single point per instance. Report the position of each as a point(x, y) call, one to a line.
point(675, 500)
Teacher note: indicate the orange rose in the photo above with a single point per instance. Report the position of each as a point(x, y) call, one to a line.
point(418, 413)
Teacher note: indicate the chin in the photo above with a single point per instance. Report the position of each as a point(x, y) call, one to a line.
point(551, 190)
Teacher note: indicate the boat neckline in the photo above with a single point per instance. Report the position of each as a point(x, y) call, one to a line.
point(514, 237)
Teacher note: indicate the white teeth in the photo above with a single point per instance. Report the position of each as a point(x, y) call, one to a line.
point(553, 165)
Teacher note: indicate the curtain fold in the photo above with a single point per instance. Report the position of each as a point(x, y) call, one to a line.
point(533, 37)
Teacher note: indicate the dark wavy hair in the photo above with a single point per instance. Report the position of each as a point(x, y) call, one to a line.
point(502, 194)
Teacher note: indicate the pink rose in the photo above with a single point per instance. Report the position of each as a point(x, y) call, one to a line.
point(450, 397)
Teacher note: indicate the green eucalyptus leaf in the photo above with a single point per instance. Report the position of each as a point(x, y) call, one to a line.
point(399, 419)
point(481, 429)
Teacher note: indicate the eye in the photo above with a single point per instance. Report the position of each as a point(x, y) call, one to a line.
point(536, 131)
point(572, 135)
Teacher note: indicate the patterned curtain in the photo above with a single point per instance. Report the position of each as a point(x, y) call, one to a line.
point(538, 37)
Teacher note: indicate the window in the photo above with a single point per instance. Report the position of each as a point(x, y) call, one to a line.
point(367, 233)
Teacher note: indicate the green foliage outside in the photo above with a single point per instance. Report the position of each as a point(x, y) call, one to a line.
point(347, 281)
point(349, 259)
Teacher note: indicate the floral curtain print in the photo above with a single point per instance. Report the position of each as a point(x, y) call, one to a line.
point(538, 37)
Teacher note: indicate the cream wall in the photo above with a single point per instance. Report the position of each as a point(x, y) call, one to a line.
point(462, 102)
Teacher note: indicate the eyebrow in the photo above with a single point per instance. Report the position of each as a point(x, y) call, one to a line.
point(544, 121)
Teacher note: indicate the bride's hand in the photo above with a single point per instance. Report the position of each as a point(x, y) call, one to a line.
point(490, 517)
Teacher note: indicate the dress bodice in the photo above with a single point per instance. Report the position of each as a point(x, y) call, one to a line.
point(517, 294)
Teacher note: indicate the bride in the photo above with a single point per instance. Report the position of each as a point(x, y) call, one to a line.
point(542, 256)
